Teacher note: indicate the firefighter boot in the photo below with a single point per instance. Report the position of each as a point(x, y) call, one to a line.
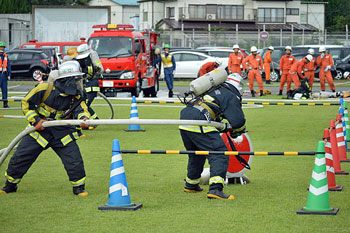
point(6, 104)
point(80, 191)
point(262, 93)
point(268, 82)
point(289, 94)
point(280, 93)
point(170, 93)
point(217, 194)
point(253, 93)
point(8, 188)
point(192, 188)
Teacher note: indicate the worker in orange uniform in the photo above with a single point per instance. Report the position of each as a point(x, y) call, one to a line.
point(254, 65)
point(286, 63)
point(209, 66)
point(235, 61)
point(267, 64)
point(295, 72)
point(309, 69)
point(325, 61)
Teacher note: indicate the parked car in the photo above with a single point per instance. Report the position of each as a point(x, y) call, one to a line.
point(29, 63)
point(51, 53)
point(343, 65)
point(188, 63)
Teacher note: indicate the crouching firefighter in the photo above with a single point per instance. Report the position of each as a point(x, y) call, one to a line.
point(221, 99)
point(52, 101)
point(92, 67)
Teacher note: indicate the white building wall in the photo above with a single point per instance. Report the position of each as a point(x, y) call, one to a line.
point(116, 10)
point(20, 29)
point(314, 14)
point(128, 12)
point(159, 13)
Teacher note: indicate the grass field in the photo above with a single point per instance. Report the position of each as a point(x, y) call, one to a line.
point(44, 201)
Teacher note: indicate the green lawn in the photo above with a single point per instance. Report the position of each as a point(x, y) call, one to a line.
point(45, 203)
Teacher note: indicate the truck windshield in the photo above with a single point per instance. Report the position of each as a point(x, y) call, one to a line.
point(109, 47)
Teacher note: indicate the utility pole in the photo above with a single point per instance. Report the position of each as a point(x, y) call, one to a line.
point(152, 13)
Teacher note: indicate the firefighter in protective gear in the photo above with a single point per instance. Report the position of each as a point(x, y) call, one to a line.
point(325, 61)
point(169, 65)
point(209, 66)
point(235, 61)
point(52, 101)
point(295, 71)
point(91, 70)
point(267, 64)
point(309, 69)
point(5, 73)
point(286, 63)
point(222, 102)
point(254, 65)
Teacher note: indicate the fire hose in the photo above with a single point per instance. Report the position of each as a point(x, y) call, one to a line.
point(6, 151)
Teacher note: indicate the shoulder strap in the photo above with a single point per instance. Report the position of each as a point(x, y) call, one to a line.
point(47, 92)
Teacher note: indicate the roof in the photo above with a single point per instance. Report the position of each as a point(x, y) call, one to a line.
point(305, 2)
point(203, 25)
point(126, 2)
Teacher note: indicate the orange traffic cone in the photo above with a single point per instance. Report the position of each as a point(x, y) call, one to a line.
point(336, 162)
point(329, 164)
point(341, 140)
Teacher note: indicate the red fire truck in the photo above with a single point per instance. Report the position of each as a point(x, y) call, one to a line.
point(127, 57)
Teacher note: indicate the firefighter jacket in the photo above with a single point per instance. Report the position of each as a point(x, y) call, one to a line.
point(235, 60)
point(221, 103)
point(286, 62)
point(5, 66)
point(206, 68)
point(325, 61)
point(311, 66)
point(167, 60)
point(46, 102)
point(267, 58)
point(252, 62)
point(297, 68)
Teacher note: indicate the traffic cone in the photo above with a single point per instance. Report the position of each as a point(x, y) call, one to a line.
point(341, 111)
point(346, 119)
point(318, 197)
point(119, 198)
point(335, 153)
point(329, 164)
point(341, 140)
point(134, 115)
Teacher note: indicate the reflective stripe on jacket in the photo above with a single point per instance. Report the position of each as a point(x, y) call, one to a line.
point(167, 60)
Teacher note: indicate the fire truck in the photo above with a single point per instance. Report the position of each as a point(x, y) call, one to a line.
point(127, 56)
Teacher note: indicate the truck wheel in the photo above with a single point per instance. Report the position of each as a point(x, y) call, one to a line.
point(136, 90)
point(155, 88)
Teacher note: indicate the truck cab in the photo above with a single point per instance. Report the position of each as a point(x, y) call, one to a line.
point(127, 56)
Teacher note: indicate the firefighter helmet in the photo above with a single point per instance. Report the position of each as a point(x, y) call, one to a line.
point(236, 46)
point(83, 51)
point(309, 57)
point(288, 47)
point(166, 46)
point(236, 80)
point(2, 44)
point(271, 48)
point(253, 49)
point(346, 74)
point(69, 69)
point(322, 49)
point(72, 51)
point(311, 51)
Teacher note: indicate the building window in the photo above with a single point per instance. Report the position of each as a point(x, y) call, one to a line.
point(171, 12)
point(292, 11)
point(230, 12)
point(212, 12)
point(145, 16)
point(10, 32)
point(271, 15)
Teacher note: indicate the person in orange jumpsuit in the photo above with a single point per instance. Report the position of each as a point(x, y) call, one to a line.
point(253, 63)
point(235, 61)
point(295, 71)
point(325, 61)
point(286, 63)
point(267, 64)
point(209, 66)
point(309, 69)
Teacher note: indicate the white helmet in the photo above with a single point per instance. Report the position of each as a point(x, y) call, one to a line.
point(69, 69)
point(236, 80)
point(218, 61)
point(311, 51)
point(322, 49)
point(271, 48)
point(288, 47)
point(309, 57)
point(67, 58)
point(346, 74)
point(83, 51)
point(253, 49)
point(236, 46)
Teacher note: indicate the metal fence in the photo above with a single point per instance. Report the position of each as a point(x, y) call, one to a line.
point(221, 38)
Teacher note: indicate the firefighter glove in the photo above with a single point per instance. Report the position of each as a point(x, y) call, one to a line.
point(8, 77)
point(83, 125)
point(237, 132)
point(39, 126)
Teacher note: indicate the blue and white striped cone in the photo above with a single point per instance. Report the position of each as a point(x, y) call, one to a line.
point(134, 115)
point(119, 198)
point(341, 111)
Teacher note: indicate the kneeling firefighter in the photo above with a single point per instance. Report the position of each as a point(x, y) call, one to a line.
point(52, 101)
point(92, 67)
point(217, 97)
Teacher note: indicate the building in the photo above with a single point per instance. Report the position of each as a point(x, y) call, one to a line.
point(247, 14)
point(15, 29)
point(122, 11)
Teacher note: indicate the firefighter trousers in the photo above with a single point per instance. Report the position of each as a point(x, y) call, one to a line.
point(218, 163)
point(169, 78)
point(28, 151)
point(267, 71)
point(254, 74)
point(293, 78)
point(326, 75)
point(90, 98)
point(3, 85)
point(311, 76)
